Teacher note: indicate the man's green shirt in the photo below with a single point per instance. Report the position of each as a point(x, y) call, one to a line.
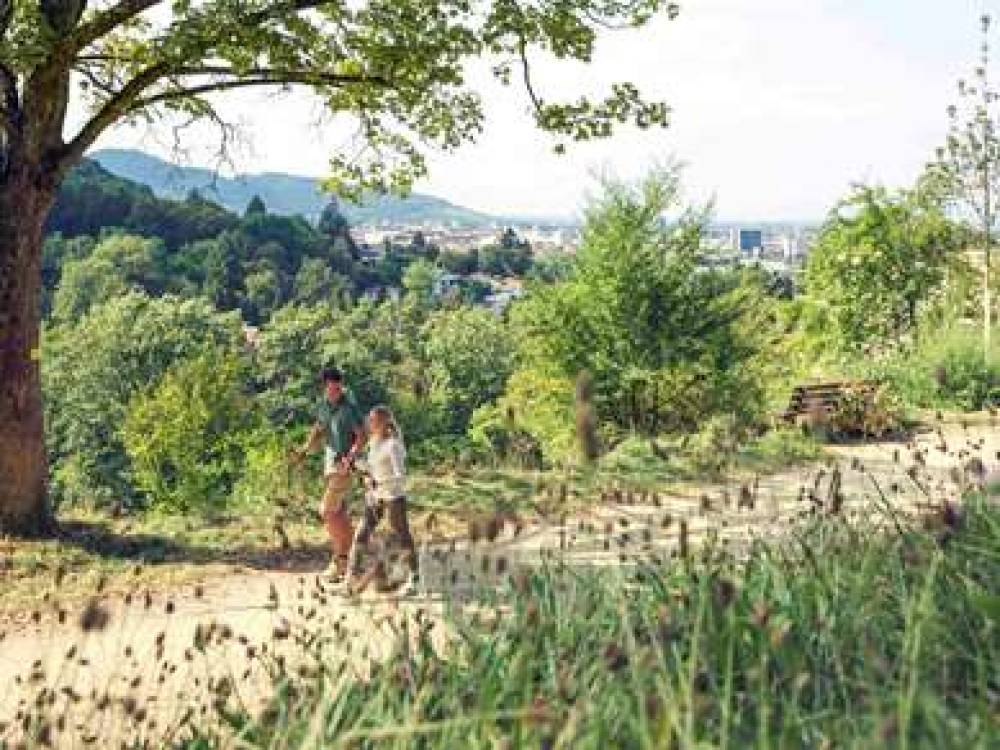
point(339, 420)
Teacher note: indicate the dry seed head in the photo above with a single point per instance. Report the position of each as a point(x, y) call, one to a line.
point(94, 617)
point(760, 614)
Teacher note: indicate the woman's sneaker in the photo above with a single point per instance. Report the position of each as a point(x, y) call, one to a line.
point(411, 587)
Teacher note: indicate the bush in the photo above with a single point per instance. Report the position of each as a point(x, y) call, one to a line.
point(469, 354)
point(418, 417)
point(644, 320)
point(866, 413)
point(185, 438)
point(443, 452)
point(535, 414)
point(266, 478)
point(93, 367)
point(505, 443)
point(947, 371)
point(680, 398)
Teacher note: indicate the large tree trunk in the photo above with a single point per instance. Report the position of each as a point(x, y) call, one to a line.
point(25, 201)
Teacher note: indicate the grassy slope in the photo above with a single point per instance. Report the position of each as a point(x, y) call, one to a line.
point(162, 551)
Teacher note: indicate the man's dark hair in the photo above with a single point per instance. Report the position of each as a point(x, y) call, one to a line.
point(332, 375)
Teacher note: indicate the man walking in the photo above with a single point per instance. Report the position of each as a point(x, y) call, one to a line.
point(339, 422)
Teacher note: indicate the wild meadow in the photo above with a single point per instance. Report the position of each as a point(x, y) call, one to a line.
point(862, 623)
point(835, 637)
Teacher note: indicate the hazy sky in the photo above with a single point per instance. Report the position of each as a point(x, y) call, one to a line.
point(778, 105)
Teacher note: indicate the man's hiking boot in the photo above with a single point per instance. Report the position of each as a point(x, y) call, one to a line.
point(335, 571)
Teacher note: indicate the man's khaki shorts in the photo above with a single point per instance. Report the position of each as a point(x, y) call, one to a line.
point(339, 483)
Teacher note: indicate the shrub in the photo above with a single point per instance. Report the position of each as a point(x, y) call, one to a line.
point(638, 312)
point(266, 477)
point(185, 437)
point(947, 371)
point(93, 367)
point(469, 355)
point(866, 413)
point(506, 443)
point(535, 414)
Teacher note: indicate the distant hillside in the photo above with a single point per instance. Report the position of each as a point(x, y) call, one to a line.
point(282, 193)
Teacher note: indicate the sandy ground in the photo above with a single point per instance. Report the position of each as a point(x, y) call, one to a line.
point(139, 667)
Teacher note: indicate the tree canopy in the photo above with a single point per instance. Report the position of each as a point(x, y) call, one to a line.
point(397, 66)
point(879, 256)
point(657, 334)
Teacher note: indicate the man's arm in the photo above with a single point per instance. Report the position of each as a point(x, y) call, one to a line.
point(359, 436)
point(313, 442)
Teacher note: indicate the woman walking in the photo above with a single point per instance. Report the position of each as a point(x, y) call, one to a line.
point(386, 468)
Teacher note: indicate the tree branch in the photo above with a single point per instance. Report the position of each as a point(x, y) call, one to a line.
point(102, 24)
point(105, 22)
point(130, 100)
point(526, 74)
point(262, 78)
point(113, 109)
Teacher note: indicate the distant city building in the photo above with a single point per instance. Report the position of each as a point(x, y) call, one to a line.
point(445, 283)
point(751, 241)
point(500, 300)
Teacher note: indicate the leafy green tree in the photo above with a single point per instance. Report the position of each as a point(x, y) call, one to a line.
point(185, 438)
point(551, 268)
point(317, 283)
point(970, 161)
point(878, 257)
point(264, 294)
point(223, 274)
point(419, 280)
point(474, 291)
point(93, 368)
point(536, 404)
point(289, 359)
point(460, 263)
point(58, 250)
point(117, 264)
point(418, 245)
point(256, 207)
point(298, 341)
point(510, 240)
point(470, 357)
point(638, 313)
point(396, 66)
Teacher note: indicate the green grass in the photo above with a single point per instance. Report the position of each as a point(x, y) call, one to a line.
point(778, 449)
point(96, 550)
point(838, 637)
point(946, 369)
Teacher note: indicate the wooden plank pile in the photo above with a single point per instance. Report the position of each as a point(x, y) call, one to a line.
point(820, 400)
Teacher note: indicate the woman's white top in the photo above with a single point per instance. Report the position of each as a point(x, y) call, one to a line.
point(387, 466)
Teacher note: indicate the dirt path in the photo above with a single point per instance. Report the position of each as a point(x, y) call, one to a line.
point(138, 665)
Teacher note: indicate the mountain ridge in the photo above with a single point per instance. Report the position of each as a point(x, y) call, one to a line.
point(282, 193)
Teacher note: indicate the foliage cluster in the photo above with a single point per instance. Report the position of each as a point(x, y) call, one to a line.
point(667, 345)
